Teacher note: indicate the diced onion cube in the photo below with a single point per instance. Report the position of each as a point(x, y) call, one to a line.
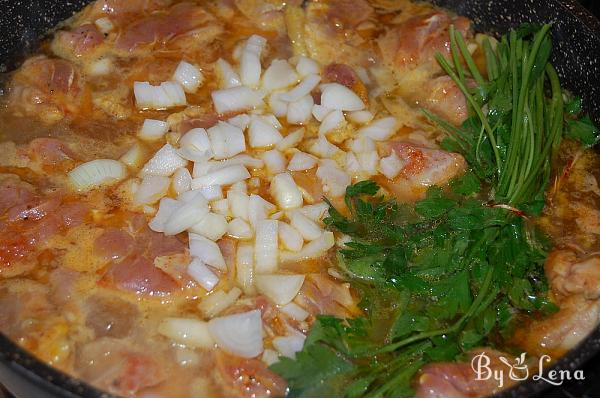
point(250, 67)
point(164, 162)
point(266, 246)
point(239, 334)
point(274, 161)
point(323, 148)
point(304, 225)
point(189, 76)
point(226, 140)
point(186, 216)
point(295, 311)
point(239, 229)
point(279, 75)
point(338, 96)
point(218, 301)
point(315, 212)
point(368, 162)
point(227, 76)
point(166, 95)
point(333, 121)
point(334, 179)
point(277, 105)
point(236, 99)
point(291, 140)
point(262, 134)
point(307, 66)
point(360, 117)
point(151, 189)
point(225, 176)
point(238, 203)
point(192, 333)
point(182, 180)
point(207, 251)
point(320, 112)
point(96, 173)
point(290, 238)
point(299, 112)
point(244, 267)
point(288, 346)
point(302, 161)
point(202, 274)
point(166, 207)
point(304, 88)
point(195, 145)
point(258, 209)
point(240, 121)
point(281, 289)
point(313, 249)
point(381, 129)
point(211, 192)
point(390, 166)
point(153, 129)
point(286, 193)
point(213, 226)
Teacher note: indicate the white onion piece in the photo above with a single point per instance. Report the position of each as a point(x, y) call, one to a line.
point(189, 76)
point(281, 289)
point(182, 180)
point(207, 251)
point(166, 207)
point(221, 207)
point(228, 78)
point(188, 215)
point(320, 112)
point(202, 274)
point(269, 357)
point(291, 140)
point(225, 176)
point(239, 334)
point(164, 162)
point(304, 88)
point(338, 96)
point(226, 140)
point(218, 301)
point(195, 145)
point(277, 215)
point(352, 164)
point(307, 66)
point(333, 121)
point(368, 162)
point(304, 225)
point(380, 129)
point(286, 193)
point(212, 226)
point(262, 134)
point(302, 161)
point(238, 203)
point(266, 246)
point(151, 189)
point(104, 24)
point(192, 333)
point(250, 67)
point(279, 75)
point(203, 168)
point(295, 311)
point(290, 238)
point(360, 117)
point(313, 249)
point(239, 229)
point(323, 148)
point(288, 346)
point(239, 186)
point(258, 209)
point(101, 67)
point(299, 112)
point(315, 212)
point(187, 357)
point(211, 192)
point(240, 121)
point(390, 166)
point(272, 120)
point(362, 144)
point(96, 173)
point(334, 180)
point(236, 99)
point(192, 197)
point(244, 267)
point(277, 105)
point(167, 95)
point(274, 161)
point(153, 130)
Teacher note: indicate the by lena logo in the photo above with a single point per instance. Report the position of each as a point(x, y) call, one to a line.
point(518, 370)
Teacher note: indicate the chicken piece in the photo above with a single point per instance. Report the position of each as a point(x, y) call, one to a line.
point(443, 97)
point(321, 294)
point(569, 275)
point(78, 42)
point(266, 14)
point(421, 168)
point(110, 316)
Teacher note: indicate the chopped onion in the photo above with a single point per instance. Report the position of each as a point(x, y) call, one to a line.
point(285, 191)
point(277, 215)
point(192, 333)
point(164, 162)
point(211, 192)
point(104, 24)
point(192, 197)
point(239, 334)
point(302, 161)
point(274, 161)
point(290, 237)
point(272, 120)
point(153, 130)
point(240, 186)
point(221, 207)
point(307, 66)
point(362, 144)
point(390, 166)
point(299, 112)
point(381, 129)
point(266, 246)
point(288, 346)
point(352, 164)
point(167, 95)
point(262, 134)
point(244, 267)
point(188, 215)
point(279, 75)
point(207, 251)
point(295, 311)
point(313, 249)
point(96, 173)
point(240, 121)
point(203, 168)
point(151, 189)
point(202, 274)
point(227, 76)
point(277, 105)
point(195, 145)
point(236, 99)
point(304, 225)
point(189, 76)
point(226, 140)
point(213, 226)
point(258, 209)
point(338, 96)
point(368, 162)
point(134, 157)
point(360, 117)
point(333, 121)
point(182, 180)
point(304, 88)
point(166, 207)
point(225, 176)
point(239, 229)
point(101, 67)
point(323, 148)
point(238, 203)
point(281, 289)
point(218, 301)
point(269, 357)
point(320, 112)
point(334, 180)
point(250, 67)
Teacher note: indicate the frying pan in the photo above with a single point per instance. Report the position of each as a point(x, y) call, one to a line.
point(576, 56)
